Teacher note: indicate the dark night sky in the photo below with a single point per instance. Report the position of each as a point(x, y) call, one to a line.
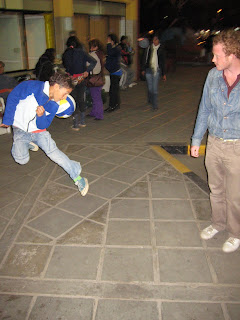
point(199, 14)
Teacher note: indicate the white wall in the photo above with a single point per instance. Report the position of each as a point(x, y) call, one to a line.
point(36, 39)
point(11, 49)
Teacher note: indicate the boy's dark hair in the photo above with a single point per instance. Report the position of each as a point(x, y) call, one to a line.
point(113, 37)
point(63, 80)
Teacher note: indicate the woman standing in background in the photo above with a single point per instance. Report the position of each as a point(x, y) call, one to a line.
point(96, 92)
point(113, 67)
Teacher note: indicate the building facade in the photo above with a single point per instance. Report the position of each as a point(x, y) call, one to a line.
point(29, 27)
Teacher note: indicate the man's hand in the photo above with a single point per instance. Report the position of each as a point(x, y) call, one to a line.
point(4, 125)
point(40, 111)
point(195, 151)
point(164, 78)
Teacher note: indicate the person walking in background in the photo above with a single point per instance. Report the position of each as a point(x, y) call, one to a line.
point(113, 67)
point(219, 112)
point(75, 62)
point(95, 88)
point(45, 66)
point(126, 61)
point(154, 68)
point(31, 108)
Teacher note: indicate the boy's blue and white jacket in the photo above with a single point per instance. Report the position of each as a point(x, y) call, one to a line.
point(22, 103)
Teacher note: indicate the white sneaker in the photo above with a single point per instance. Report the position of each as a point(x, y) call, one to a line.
point(33, 146)
point(132, 84)
point(208, 233)
point(231, 244)
point(83, 186)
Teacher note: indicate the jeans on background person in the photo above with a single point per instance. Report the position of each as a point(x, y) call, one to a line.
point(97, 104)
point(20, 150)
point(152, 86)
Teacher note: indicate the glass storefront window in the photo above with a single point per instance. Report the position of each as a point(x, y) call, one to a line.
point(12, 49)
point(23, 36)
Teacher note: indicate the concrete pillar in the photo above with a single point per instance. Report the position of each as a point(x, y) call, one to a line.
point(132, 29)
point(63, 22)
point(49, 30)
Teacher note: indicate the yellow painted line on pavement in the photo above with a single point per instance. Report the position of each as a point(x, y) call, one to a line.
point(202, 149)
point(169, 158)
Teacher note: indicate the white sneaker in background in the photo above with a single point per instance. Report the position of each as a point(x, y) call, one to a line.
point(132, 84)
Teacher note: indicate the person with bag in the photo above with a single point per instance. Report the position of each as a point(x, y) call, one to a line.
point(75, 60)
point(95, 80)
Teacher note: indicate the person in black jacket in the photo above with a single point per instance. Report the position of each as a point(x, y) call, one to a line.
point(113, 67)
point(6, 83)
point(153, 68)
point(75, 60)
point(44, 67)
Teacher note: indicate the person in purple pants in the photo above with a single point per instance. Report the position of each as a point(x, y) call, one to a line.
point(96, 92)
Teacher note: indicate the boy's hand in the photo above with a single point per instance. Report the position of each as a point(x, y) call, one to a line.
point(40, 111)
point(4, 125)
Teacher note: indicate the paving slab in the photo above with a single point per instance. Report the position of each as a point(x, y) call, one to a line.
point(189, 311)
point(62, 308)
point(128, 265)
point(127, 310)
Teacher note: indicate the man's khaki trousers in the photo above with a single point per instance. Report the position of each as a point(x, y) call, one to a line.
point(223, 167)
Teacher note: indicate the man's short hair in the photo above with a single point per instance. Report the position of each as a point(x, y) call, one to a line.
point(123, 38)
point(2, 64)
point(113, 37)
point(230, 40)
point(63, 80)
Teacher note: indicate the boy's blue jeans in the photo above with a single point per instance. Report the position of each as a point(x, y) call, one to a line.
point(20, 150)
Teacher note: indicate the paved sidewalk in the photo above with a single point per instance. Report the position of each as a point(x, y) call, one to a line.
point(130, 249)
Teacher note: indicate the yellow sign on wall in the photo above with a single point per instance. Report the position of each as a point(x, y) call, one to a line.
point(63, 8)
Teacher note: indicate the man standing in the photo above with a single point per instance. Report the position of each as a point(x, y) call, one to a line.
point(219, 112)
point(30, 109)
